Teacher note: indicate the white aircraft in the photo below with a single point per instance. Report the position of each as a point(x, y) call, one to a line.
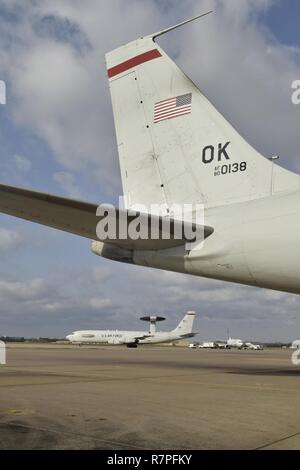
point(134, 338)
point(234, 343)
point(207, 345)
point(176, 148)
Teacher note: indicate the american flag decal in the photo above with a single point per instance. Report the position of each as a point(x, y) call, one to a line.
point(173, 107)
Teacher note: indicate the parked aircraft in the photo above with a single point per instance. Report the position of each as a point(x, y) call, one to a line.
point(134, 338)
point(220, 344)
point(176, 148)
point(234, 343)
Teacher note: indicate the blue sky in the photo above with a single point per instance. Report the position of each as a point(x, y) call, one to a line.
point(57, 135)
point(283, 20)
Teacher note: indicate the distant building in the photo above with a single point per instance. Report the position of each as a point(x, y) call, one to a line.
point(12, 339)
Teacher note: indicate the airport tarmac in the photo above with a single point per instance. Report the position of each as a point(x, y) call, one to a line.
point(67, 397)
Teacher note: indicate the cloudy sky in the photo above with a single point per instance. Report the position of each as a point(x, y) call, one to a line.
point(57, 135)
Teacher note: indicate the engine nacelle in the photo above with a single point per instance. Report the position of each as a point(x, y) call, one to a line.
point(114, 253)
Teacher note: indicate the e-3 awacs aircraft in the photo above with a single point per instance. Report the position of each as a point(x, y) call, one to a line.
point(175, 147)
point(132, 339)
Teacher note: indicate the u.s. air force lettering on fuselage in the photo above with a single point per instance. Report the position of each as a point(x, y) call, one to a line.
point(220, 153)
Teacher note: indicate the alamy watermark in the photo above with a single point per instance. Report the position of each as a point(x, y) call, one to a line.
point(296, 92)
point(2, 353)
point(296, 357)
point(2, 92)
point(183, 222)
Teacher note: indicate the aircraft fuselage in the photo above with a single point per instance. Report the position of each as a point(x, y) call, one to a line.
point(256, 243)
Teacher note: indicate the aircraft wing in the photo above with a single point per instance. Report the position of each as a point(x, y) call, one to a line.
point(137, 338)
point(188, 335)
point(79, 218)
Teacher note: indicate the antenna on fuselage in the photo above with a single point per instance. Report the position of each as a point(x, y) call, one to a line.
point(167, 30)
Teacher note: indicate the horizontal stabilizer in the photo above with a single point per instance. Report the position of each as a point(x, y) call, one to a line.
point(80, 218)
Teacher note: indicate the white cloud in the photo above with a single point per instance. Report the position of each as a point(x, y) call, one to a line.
point(67, 183)
point(102, 274)
point(241, 10)
point(62, 93)
point(9, 240)
point(23, 291)
point(15, 169)
point(55, 306)
point(98, 303)
point(22, 164)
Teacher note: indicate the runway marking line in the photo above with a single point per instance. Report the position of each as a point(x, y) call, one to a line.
point(265, 446)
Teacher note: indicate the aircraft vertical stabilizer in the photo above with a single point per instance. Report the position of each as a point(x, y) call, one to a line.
point(185, 327)
point(174, 146)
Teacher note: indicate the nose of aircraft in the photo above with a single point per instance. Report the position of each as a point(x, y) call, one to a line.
point(69, 337)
